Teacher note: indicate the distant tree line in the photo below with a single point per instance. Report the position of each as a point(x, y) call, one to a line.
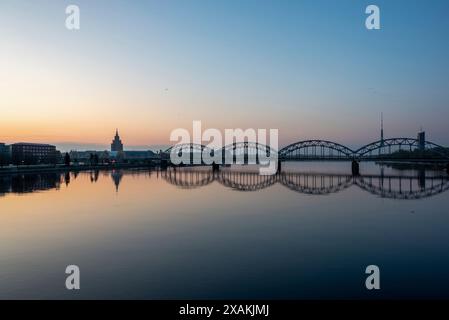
point(434, 153)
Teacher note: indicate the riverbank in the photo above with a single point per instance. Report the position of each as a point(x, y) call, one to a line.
point(63, 168)
point(403, 165)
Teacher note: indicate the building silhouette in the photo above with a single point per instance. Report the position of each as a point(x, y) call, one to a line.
point(116, 145)
point(5, 154)
point(33, 153)
point(382, 129)
point(421, 140)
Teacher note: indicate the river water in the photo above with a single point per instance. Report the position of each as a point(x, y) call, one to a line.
point(191, 233)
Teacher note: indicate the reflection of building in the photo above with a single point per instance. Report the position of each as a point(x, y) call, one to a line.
point(33, 153)
point(117, 144)
point(116, 176)
point(5, 185)
point(29, 182)
point(94, 175)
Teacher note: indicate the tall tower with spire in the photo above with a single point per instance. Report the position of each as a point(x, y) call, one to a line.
point(117, 144)
point(382, 128)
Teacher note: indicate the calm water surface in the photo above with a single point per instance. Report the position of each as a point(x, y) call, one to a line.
point(307, 233)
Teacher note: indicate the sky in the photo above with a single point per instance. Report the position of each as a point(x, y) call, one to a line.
point(308, 68)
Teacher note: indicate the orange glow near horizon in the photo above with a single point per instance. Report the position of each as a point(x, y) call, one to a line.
point(83, 133)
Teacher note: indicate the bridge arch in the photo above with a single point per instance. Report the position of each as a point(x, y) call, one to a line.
point(246, 181)
point(404, 188)
point(315, 149)
point(250, 152)
point(247, 152)
point(186, 179)
point(314, 183)
point(396, 145)
point(188, 153)
point(187, 147)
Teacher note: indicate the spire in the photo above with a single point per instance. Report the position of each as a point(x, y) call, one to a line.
point(382, 127)
point(116, 144)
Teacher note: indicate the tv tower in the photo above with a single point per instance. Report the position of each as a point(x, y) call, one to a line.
point(382, 128)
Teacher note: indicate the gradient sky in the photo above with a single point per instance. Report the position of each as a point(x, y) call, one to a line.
point(309, 68)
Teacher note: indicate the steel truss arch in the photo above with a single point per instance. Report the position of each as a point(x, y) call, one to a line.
point(323, 144)
point(410, 143)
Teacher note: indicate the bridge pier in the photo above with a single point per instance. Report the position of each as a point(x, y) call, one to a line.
point(215, 167)
point(355, 168)
point(279, 167)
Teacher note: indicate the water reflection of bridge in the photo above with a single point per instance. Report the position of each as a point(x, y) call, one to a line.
point(406, 186)
point(385, 186)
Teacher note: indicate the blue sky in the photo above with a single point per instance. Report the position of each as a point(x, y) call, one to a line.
point(308, 68)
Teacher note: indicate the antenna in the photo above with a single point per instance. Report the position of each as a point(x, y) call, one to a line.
point(382, 126)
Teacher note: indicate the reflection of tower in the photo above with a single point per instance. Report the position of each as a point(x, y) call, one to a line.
point(382, 175)
point(422, 178)
point(116, 176)
point(117, 144)
point(94, 176)
point(67, 178)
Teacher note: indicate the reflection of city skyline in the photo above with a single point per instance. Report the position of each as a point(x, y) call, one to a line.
point(395, 186)
point(117, 176)
point(27, 183)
